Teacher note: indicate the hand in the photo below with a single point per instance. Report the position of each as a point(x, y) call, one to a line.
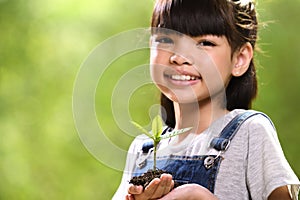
point(157, 188)
point(190, 192)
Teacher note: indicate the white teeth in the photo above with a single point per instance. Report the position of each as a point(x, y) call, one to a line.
point(183, 77)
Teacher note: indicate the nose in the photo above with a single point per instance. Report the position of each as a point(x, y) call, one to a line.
point(180, 60)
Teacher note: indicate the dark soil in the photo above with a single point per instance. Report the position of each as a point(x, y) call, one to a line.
point(147, 177)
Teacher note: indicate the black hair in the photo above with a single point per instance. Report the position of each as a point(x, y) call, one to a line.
point(229, 18)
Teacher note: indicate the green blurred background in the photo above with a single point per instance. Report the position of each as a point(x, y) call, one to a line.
point(43, 44)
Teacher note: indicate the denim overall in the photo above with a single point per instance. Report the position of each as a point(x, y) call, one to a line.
point(200, 169)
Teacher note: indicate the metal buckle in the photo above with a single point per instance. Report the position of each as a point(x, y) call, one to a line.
point(209, 161)
point(141, 161)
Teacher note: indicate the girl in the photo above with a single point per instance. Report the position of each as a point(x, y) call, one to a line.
point(202, 62)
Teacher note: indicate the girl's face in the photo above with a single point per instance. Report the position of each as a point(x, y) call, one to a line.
point(189, 69)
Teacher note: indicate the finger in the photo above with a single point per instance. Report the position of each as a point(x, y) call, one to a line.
point(164, 186)
point(169, 186)
point(135, 189)
point(132, 197)
point(151, 188)
point(170, 183)
point(129, 197)
point(166, 183)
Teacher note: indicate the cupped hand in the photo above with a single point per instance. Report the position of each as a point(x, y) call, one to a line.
point(190, 192)
point(157, 188)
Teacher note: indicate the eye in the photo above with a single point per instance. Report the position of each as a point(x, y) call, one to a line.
point(206, 43)
point(164, 40)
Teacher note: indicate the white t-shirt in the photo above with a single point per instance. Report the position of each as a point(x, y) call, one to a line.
point(253, 166)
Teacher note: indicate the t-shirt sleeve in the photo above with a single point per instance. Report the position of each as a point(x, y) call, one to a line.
point(131, 156)
point(129, 167)
point(267, 167)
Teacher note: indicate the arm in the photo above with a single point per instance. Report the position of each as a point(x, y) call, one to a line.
point(268, 172)
point(160, 189)
point(190, 192)
point(281, 193)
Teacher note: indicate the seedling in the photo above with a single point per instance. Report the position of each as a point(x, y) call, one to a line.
point(156, 134)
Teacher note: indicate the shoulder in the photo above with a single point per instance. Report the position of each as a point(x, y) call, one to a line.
point(255, 131)
point(260, 119)
point(260, 126)
point(259, 138)
point(255, 122)
point(253, 116)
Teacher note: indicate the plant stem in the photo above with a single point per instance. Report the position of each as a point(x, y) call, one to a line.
point(154, 154)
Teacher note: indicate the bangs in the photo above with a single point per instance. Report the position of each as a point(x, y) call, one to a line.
point(196, 18)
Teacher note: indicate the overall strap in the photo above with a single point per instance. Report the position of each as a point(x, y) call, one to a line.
point(222, 142)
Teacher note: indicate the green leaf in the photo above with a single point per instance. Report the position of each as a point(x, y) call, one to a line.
point(157, 126)
point(175, 132)
point(142, 129)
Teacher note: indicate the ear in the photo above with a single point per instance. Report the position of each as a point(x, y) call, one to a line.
point(243, 58)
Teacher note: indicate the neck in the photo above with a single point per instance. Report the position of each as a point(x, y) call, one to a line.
point(197, 115)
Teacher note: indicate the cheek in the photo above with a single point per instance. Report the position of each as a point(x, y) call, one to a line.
point(215, 73)
point(156, 74)
point(158, 63)
point(223, 66)
point(226, 72)
point(153, 56)
point(158, 56)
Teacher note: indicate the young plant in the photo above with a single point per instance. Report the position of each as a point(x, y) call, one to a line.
point(156, 134)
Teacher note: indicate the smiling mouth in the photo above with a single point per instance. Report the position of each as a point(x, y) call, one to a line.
point(181, 77)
